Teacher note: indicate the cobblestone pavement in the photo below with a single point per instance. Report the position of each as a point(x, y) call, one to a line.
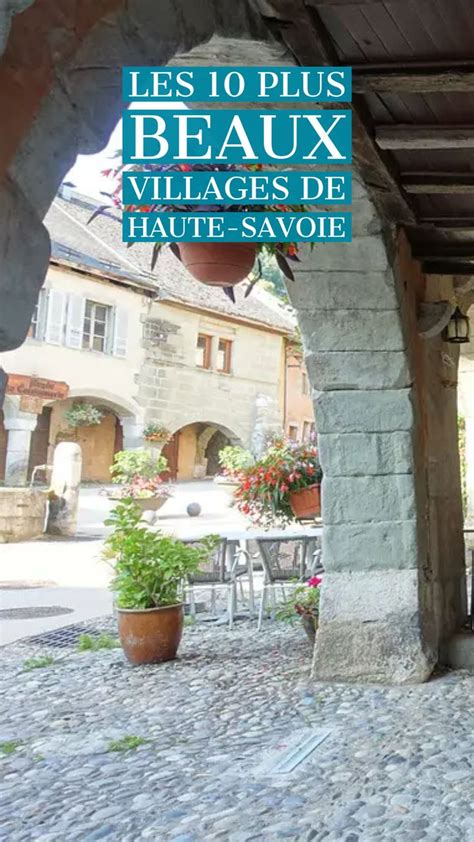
point(398, 763)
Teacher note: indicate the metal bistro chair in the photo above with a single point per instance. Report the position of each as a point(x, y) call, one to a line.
point(220, 571)
point(284, 561)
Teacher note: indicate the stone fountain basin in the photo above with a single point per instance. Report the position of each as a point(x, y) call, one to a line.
point(22, 514)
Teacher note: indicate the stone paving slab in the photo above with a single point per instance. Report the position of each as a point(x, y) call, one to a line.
point(398, 763)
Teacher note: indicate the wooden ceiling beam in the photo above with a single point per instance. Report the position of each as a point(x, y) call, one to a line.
point(438, 182)
point(446, 268)
point(424, 137)
point(305, 36)
point(336, 3)
point(440, 251)
point(448, 222)
point(413, 78)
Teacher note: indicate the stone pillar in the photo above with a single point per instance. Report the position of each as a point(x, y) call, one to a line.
point(379, 618)
point(65, 485)
point(20, 426)
point(132, 432)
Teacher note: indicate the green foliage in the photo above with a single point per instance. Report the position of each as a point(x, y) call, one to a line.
point(265, 487)
point(129, 464)
point(157, 432)
point(83, 415)
point(126, 743)
point(149, 567)
point(10, 746)
point(235, 459)
point(303, 600)
point(87, 643)
point(462, 460)
point(38, 663)
point(272, 277)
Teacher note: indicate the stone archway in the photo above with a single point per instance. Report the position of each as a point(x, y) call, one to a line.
point(188, 448)
point(67, 102)
point(385, 404)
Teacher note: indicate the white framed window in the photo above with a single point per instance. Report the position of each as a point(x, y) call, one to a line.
point(203, 350)
point(224, 356)
point(38, 319)
point(96, 327)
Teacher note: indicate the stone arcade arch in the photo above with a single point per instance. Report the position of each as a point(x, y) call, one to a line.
point(395, 586)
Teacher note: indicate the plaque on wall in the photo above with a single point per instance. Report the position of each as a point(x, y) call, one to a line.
point(36, 387)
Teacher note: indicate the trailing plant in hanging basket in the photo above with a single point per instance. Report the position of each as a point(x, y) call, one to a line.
point(83, 415)
point(267, 487)
point(157, 433)
point(212, 263)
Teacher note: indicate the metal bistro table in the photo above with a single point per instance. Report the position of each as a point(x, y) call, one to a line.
point(237, 548)
point(469, 530)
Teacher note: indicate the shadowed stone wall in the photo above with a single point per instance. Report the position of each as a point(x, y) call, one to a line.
point(60, 96)
point(387, 437)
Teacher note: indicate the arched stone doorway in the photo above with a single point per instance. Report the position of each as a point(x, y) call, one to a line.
point(98, 442)
point(193, 451)
point(216, 443)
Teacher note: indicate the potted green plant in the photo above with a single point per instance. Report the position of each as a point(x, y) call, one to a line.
point(232, 459)
point(304, 603)
point(157, 434)
point(212, 263)
point(282, 486)
point(138, 472)
point(83, 415)
point(149, 572)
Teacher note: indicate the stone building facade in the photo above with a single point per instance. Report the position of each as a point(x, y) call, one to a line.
point(105, 331)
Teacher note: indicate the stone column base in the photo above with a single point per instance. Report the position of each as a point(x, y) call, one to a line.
point(371, 629)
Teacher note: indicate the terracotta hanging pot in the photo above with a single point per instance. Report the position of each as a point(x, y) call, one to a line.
point(218, 264)
point(306, 502)
point(152, 635)
point(310, 620)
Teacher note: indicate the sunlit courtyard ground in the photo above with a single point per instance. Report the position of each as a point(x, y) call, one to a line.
point(233, 741)
point(192, 750)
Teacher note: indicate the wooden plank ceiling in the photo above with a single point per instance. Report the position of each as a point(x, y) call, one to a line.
point(413, 108)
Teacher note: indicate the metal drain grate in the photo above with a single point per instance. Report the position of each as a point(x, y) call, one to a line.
point(34, 613)
point(290, 753)
point(62, 638)
point(292, 757)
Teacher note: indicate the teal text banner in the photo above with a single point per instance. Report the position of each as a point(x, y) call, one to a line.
point(237, 137)
point(237, 187)
point(237, 227)
point(237, 84)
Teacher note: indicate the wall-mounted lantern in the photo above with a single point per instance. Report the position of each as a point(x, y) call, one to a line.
point(457, 329)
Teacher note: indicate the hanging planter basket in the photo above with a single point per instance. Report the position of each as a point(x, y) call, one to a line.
point(218, 264)
point(83, 415)
point(306, 503)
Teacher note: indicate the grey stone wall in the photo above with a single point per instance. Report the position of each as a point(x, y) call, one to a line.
point(384, 605)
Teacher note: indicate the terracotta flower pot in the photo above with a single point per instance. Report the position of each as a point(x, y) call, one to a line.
point(150, 636)
point(306, 502)
point(151, 504)
point(310, 624)
point(218, 264)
